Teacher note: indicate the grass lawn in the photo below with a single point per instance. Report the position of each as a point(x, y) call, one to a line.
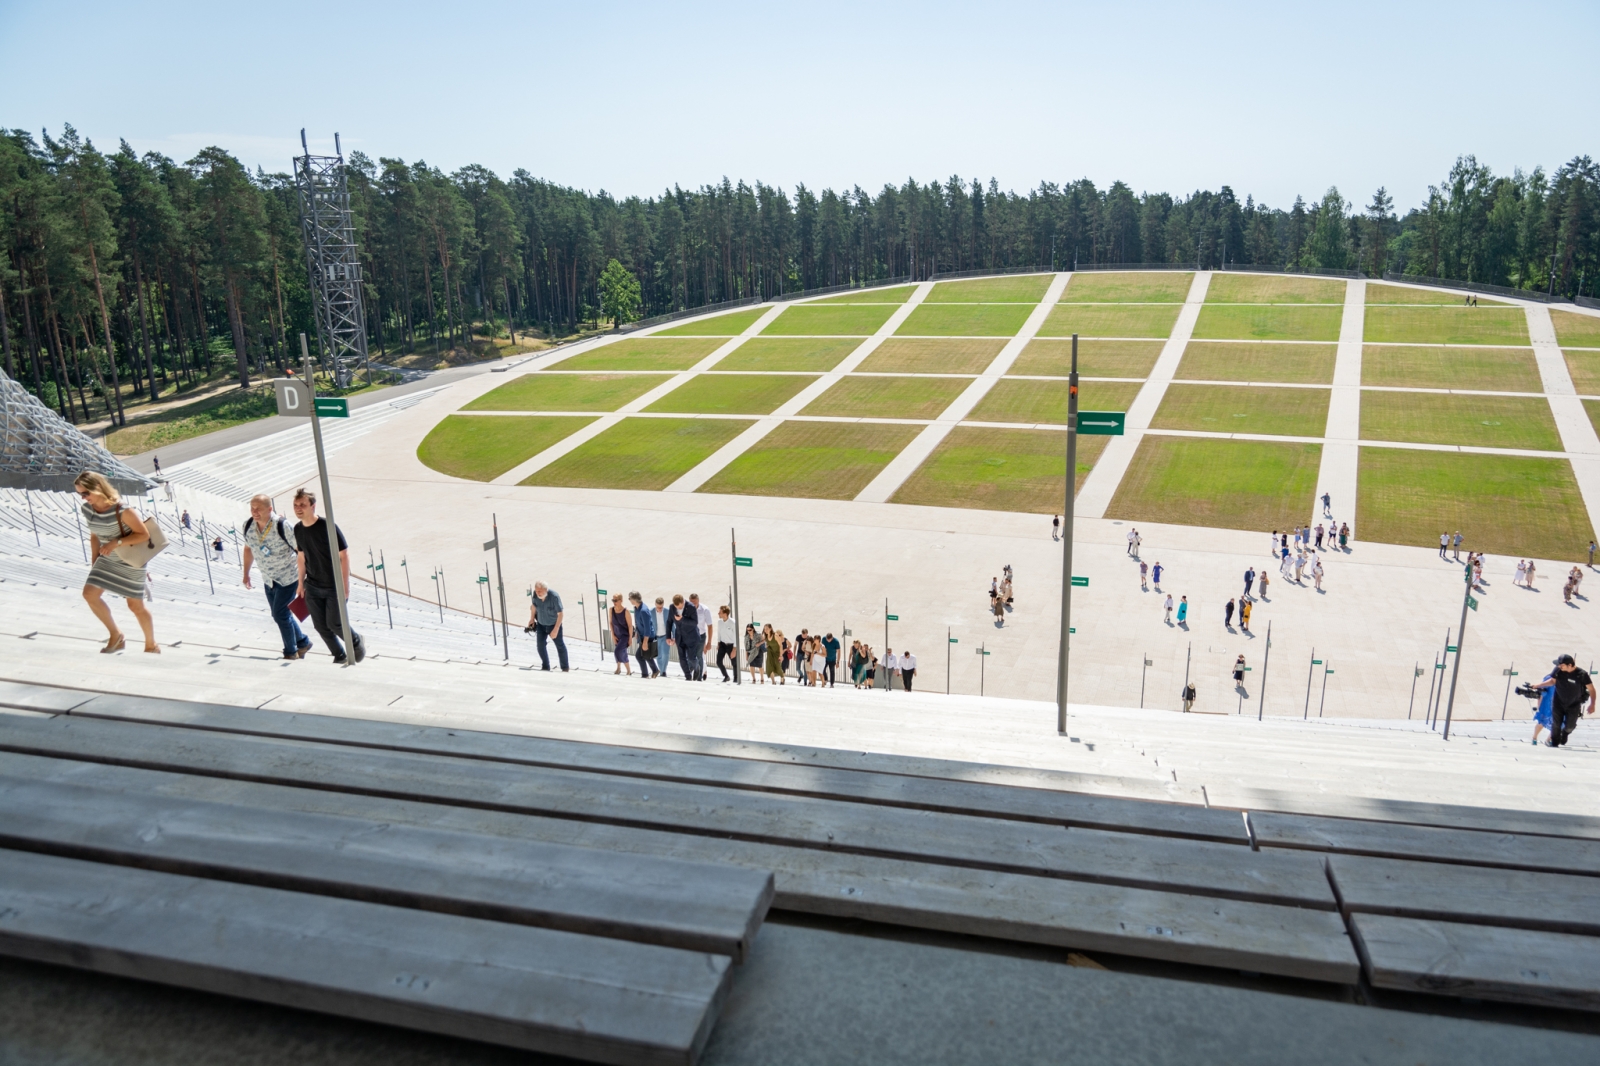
point(1503, 504)
point(1018, 288)
point(566, 392)
point(1585, 370)
point(999, 470)
point(804, 320)
point(645, 353)
point(1273, 289)
point(965, 320)
point(1492, 369)
point(1294, 364)
point(1012, 400)
point(726, 325)
point(1481, 421)
point(1379, 293)
point(1579, 331)
point(884, 294)
point(1244, 409)
point(1593, 407)
point(1101, 320)
point(784, 353)
point(816, 460)
point(1268, 322)
point(731, 394)
point(1446, 325)
point(1142, 287)
point(1096, 358)
point(230, 408)
point(640, 453)
point(862, 397)
point(483, 448)
point(899, 355)
point(1231, 484)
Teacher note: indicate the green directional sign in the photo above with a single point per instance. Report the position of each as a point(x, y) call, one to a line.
point(600, 592)
point(1072, 629)
point(1079, 582)
point(1102, 423)
point(892, 617)
point(333, 407)
point(955, 640)
point(1438, 666)
point(1472, 601)
point(742, 560)
point(1452, 647)
point(483, 581)
point(1330, 669)
point(982, 652)
point(1316, 662)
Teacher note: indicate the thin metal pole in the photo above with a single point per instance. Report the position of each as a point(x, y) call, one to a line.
point(983, 662)
point(1144, 659)
point(600, 623)
point(339, 577)
point(1416, 672)
point(1438, 695)
point(1266, 660)
point(1506, 702)
point(438, 596)
point(738, 637)
point(205, 553)
point(84, 544)
point(500, 579)
point(33, 521)
point(407, 569)
point(1070, 490)
point(1187, 656)
point(488, 601)
point(372, 564)
point(387, 602)
point(442, 590)
point(1323, 702)
point(1461, 642)
point(1433, 679)
point(1311, 668)
point(888, 675)
point(947, 660)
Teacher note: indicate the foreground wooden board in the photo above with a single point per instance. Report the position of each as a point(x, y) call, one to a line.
point(690, 905)
point(1562, 903)
point(537, 989)
point(1482, 961)
point(1162, 863)
point(1290, 941)
point(1446, 815)
point(1467, 846)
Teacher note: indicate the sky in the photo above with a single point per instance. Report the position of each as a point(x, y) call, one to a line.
point(1275, 100)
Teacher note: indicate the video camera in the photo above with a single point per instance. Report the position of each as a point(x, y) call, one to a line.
point(1528, 691)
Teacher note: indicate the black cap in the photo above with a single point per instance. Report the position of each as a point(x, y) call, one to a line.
point(1566, 660)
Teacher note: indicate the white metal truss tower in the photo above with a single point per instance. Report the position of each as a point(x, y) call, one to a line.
point(333, 261)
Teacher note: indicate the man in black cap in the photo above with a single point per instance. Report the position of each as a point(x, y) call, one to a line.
point(1572, 686)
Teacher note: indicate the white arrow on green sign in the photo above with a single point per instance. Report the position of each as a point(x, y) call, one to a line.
point(892, 617)
point(1079, 582)
point(1102, 423)
point(742, 560)
point(333, 407)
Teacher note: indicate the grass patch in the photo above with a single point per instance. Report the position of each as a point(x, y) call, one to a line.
point(999, 470)
point(965, 320)
point(1480, 421)
point(482, 448)
point(1580, 331)
point(1268, 322)
point(1501, 503)
point(1017, 289)
point(731, 394)
point(1273, 289)
point(1231, 484)
point(1102, 320)
point(640, 453)
point(1497, 369)
point(1293, 364)
point(903, 356)
point(1593, 407)
point(1012, 400)
point(1447, 325)
point(806, 320)
point(1244, 409)
point(1379, 293)
point(645, 353)
point(730, 324)
point(1585, 370)
point(1143, 287)
point(1096, 358)
point(816, 460)
point(864, 397)
point(566, 392)
point(784, 353)
point(887, 294)
point(231, 408)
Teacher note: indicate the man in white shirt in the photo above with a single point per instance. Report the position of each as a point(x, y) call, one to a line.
point(891, 663)
point(1133, 537)
point(908, 667)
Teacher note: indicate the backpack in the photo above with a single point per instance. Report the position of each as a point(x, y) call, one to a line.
point(281, 535)
point(1188, 692)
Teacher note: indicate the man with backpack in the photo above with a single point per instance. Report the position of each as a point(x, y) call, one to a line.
point(269, 543)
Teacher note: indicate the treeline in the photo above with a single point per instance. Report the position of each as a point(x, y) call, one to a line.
point(137, 269)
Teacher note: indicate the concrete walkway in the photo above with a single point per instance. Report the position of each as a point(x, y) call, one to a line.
point(1578, 437)
point(1340, 451)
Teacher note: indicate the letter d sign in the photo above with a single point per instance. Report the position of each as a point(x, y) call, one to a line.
point(294, 397)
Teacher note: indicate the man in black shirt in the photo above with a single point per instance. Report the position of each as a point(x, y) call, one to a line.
point(1572, 686)
point(316, 576)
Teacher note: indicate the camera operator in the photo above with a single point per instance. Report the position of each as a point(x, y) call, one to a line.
point(1571, 686)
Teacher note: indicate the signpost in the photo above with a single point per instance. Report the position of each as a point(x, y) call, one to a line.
point(1461, 638)
point(1102, 423)
point(982, 662)
point(1266, 661)
point(738, 561)
point(1509, 673)
point(948, 640)
point(493, 544)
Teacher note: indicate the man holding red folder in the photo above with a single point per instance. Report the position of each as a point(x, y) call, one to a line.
point(269, 542)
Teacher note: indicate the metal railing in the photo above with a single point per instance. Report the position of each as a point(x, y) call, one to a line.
point(827, 290)
point(1479, 286)
point(1267, 268)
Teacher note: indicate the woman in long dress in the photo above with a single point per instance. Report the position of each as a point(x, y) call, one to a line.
point(110, 527)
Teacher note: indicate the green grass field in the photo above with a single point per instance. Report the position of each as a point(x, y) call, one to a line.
point(965, 320)
point(842, 320)
point(1575, 330)
point(731, 394)
point(1379, 293)
point(1268, 322)
point(481, 448)
point(789, 353)
point(815, 460)
point(1229, 484)
point(1446, 325)
point(1593, 407)
point(1479, 421)
point(567, 392)
point(1096, 358)
point(728, 325)
point(999, 470)
point(230, 408)
point(1585, 370)
point(1244, 409)
point(1013, 400)
point(901, 355)
point(1141, 287)
point(883, 294)
point(1490, 369)
point(866, 397)
point(640, 453)
point(1017, 288)
point(1503, 504)
point(1294, 364)
point(1273, 289)
point(1103, 320)
point(645, 353)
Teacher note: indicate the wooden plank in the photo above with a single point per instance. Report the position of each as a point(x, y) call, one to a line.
point(1452, 816)
point(1291, 941)
point(1043, 805)
point(538, 989)
point(1162, 863)
point(705, 907)
point(1399, 841)
point(1480, 961)
point(1517, 899)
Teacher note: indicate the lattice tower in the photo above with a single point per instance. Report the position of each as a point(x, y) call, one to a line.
point(333, 261)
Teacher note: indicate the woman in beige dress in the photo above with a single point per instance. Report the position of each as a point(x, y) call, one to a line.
point(110, 527)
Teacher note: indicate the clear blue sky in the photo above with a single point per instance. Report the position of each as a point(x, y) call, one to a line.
point(1273, 99)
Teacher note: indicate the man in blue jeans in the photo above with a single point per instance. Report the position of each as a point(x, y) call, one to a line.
point(269, 543)
point(545, 619)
